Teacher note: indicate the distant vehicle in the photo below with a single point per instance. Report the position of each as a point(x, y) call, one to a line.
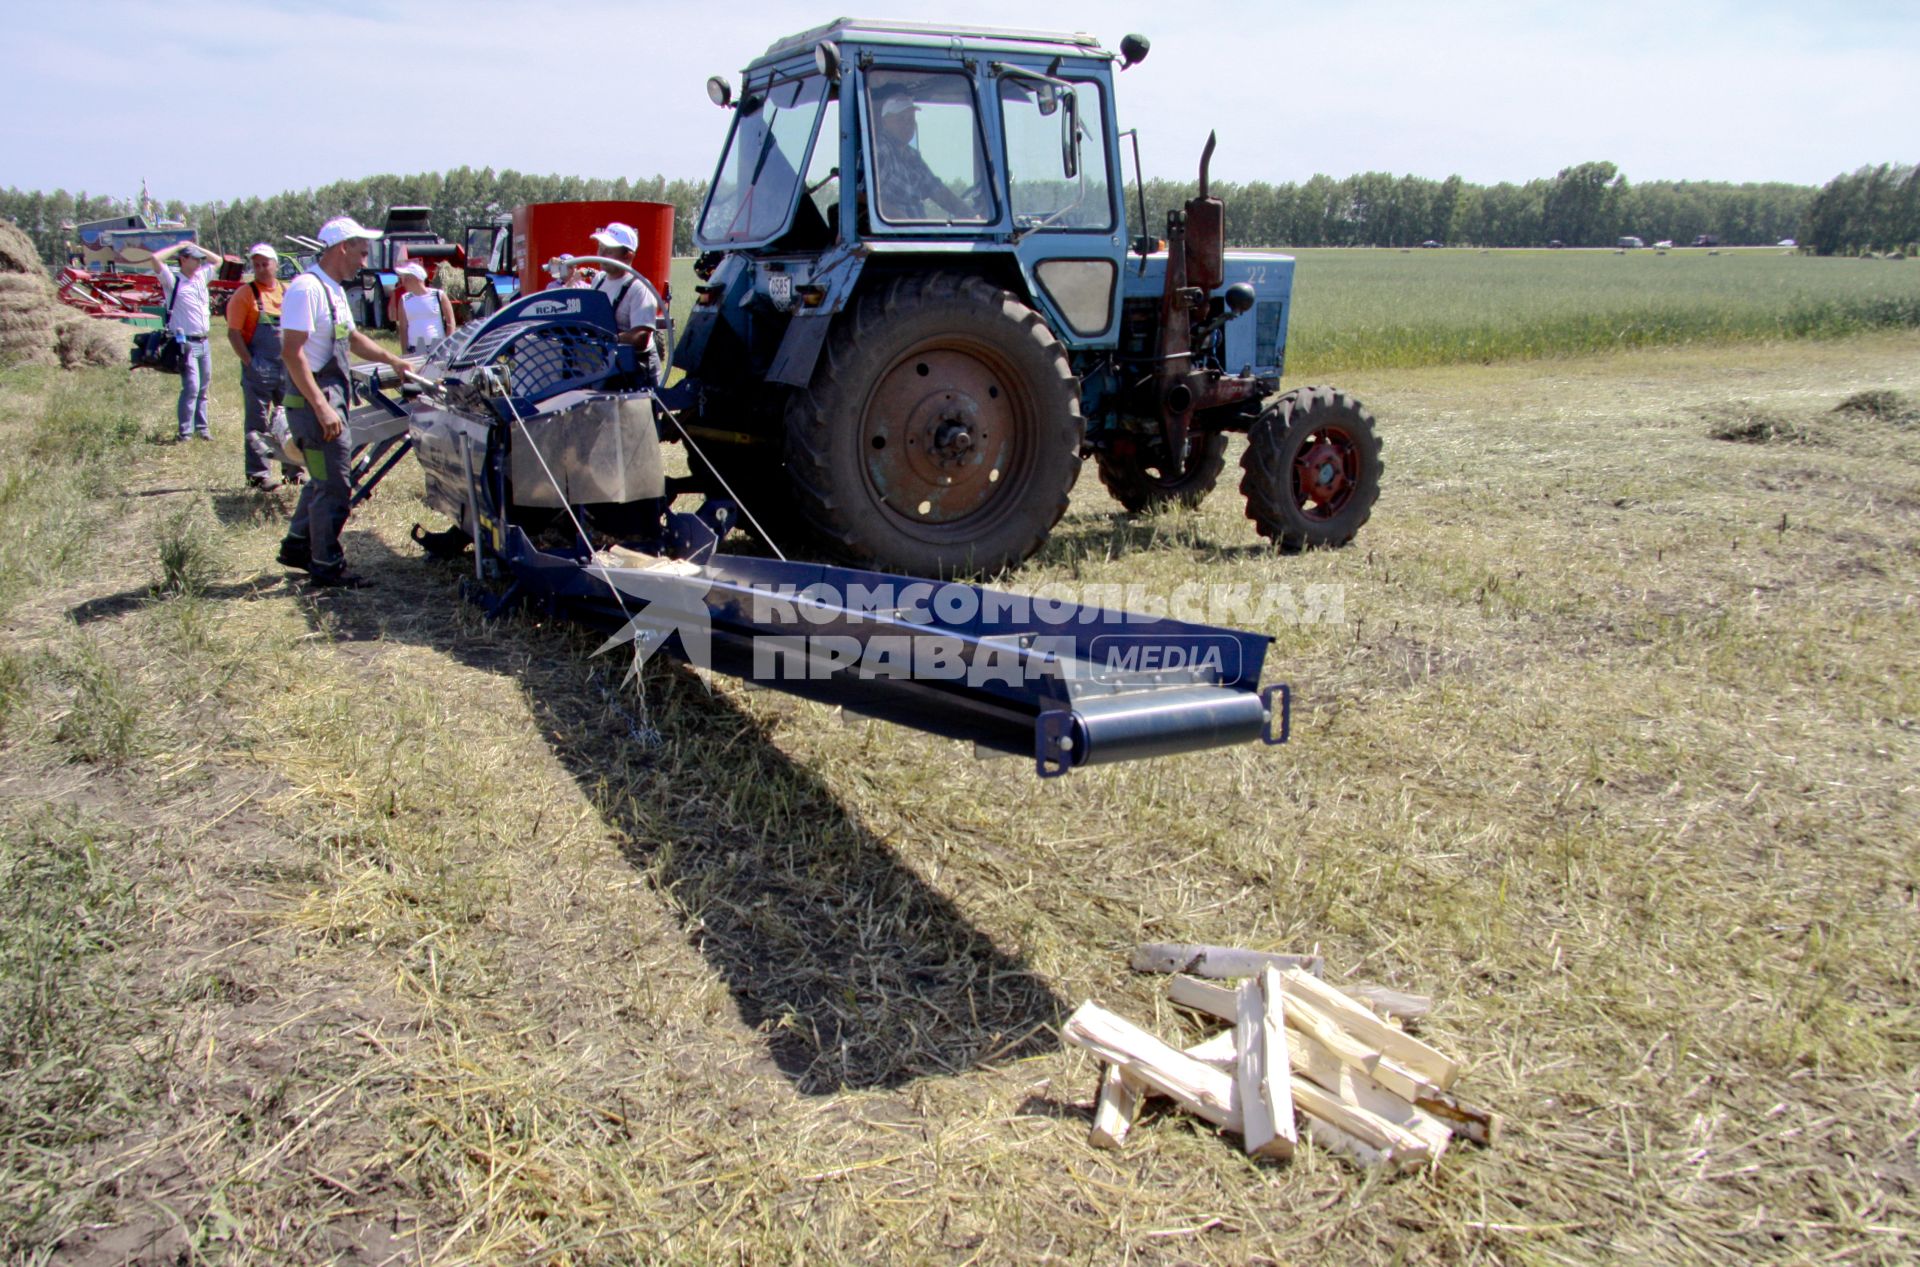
point(1556, 244)
point(1706, 239)
point(1664, 244)
point(1629, 243)
point(1787, 242)
point(1429, 243)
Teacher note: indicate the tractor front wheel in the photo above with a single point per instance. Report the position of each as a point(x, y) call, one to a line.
point(941, 433)
point(1134, 471)
point(1311, 469)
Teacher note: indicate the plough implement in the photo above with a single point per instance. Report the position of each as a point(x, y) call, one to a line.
point(541, 439)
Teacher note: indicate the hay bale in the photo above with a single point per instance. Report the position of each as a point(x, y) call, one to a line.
point(17, 252)
point(37, 285)
point(80, 340)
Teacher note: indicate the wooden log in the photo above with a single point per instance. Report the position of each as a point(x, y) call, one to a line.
point(1398, 1145)
point(1356, 1019)
point(1263, 1077)
point(1394, 1004)
point(1219, 1001)
point(1332, 1072)
point(1364, 1060)
point(1468, 1121)
point(1113, 1113)
point(1219, 1051)
point(1218, 962)
point(1197, 1087)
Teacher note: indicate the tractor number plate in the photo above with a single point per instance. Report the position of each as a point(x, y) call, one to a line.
point(780, 290)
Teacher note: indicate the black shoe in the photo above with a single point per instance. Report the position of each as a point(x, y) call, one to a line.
point(295, 554)
point(338, 581)
point(202, 435)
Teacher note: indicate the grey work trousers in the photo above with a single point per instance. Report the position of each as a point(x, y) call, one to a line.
point(321, 513)
point(196, 375)
point(262, 393)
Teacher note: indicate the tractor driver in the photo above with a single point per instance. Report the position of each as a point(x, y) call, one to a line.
point(636, 308)
point(907, 184)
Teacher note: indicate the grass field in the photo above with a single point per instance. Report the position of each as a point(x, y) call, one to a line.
point(1362, 310)
point(1377, 309)
point(359, 930)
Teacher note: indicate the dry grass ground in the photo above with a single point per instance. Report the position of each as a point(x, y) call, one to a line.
point(359, 930)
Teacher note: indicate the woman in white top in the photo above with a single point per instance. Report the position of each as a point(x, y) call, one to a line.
point(425, 315)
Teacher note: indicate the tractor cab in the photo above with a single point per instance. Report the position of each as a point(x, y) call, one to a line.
point(916, 143)
point(921, 307)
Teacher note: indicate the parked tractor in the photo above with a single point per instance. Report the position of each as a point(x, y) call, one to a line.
point(922, 307)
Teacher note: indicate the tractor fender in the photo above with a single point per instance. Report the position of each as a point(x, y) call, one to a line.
point(839, 272)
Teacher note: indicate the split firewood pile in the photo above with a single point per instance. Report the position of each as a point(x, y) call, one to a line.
point(1341, 1061)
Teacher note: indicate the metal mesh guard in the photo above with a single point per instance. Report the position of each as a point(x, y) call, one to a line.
point(541, 357)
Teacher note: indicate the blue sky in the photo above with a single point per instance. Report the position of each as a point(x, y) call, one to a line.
point(222, 99)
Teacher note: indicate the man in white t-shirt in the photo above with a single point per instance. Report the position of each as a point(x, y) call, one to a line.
point(316, 335)
point(189, 320)
point(636, 308)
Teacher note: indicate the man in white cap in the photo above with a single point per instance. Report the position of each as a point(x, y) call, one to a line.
point(316, 335)
point(253, 331)
point(636, 308)
point(189, 319)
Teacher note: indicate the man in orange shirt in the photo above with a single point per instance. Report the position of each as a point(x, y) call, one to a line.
point(253, 328)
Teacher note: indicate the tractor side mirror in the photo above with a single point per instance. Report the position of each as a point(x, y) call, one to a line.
point(719, 92)
point(1070, 134)
point(1047, 99)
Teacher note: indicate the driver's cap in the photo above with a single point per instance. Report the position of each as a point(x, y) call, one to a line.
point(617, 234)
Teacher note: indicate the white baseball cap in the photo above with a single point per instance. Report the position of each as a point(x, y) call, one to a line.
point(617, 234)
point(895, 104)
point(343, 228)
point(262, 248)
point(412, 270)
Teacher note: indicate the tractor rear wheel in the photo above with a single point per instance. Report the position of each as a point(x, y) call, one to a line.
point(1311, 469)
point(1134, 472)
point(941, 433)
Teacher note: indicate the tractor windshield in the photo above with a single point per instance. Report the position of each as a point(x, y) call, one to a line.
point(754, 189)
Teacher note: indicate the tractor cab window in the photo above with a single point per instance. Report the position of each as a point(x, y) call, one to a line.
point(823, 170)
point(928, 164)
point(1054, 182)
point(760, 172)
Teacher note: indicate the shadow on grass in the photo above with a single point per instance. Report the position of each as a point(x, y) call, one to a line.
point(1118, 536)
point(858, 974)
point(114, 606)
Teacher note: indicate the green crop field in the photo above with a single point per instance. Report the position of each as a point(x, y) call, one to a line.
point(1368, 309)
point(1357, 310)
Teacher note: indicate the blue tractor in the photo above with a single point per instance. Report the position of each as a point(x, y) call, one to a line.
point(922, 307)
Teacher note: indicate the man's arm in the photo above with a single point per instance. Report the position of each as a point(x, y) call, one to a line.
point(238, 309)
point(368, 350)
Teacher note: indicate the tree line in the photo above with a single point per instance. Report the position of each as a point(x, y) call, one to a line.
point(1588, 204)
point(1872, 209)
